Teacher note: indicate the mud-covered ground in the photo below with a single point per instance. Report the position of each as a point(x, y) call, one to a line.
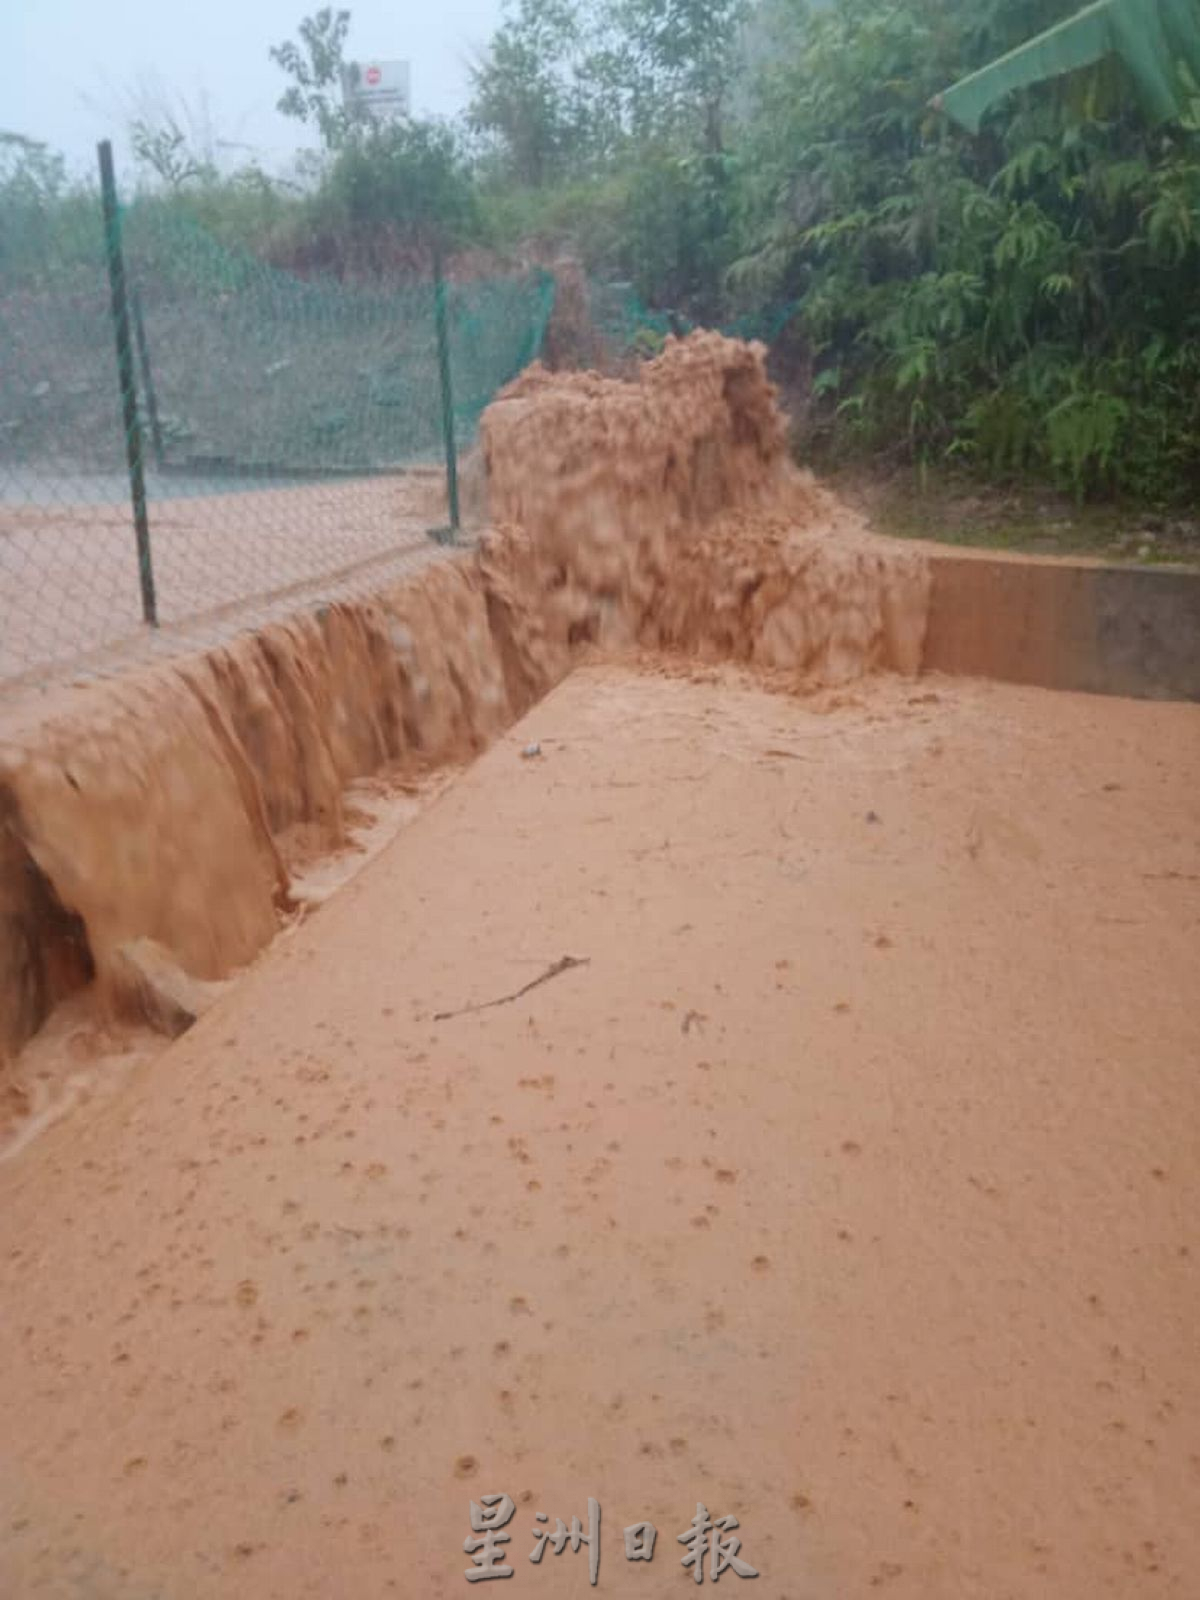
point(847, 1187)
point(959, 510)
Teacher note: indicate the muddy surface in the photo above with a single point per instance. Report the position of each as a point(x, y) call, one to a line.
point(849, 1187)
point(85, 1049)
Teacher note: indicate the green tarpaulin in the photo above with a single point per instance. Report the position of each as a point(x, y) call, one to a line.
point(1154, 38)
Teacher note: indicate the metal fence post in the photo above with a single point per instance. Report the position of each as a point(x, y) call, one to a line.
point(443, 348)
point(125, 375)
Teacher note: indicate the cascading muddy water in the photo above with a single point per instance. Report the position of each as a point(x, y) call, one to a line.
point(659, 513)
point(667, 513)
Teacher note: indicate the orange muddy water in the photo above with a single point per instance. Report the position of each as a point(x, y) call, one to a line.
point(164, 804)
point(849, 1186)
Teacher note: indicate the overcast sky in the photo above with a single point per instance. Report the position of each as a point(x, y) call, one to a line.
point(71, 69)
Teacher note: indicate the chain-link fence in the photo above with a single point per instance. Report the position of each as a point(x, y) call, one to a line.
point(184, 429)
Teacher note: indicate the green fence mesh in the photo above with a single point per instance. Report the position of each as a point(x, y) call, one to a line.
point(326, 376)
point(289, 429)
point(618, 313)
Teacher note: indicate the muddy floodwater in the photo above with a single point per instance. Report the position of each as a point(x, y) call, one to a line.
point(845, 1182)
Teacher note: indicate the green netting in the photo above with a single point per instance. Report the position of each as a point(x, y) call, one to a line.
point(273, 418)
point(250, 366)
point(59, 400)
point(253, 368)
point(256, 366)
point(622, 317)
point(272, 425)
point(1158, 41)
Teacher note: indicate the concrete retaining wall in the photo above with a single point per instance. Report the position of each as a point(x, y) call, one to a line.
point(1065, 625)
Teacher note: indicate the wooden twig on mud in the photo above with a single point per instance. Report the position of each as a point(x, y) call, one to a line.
point(563, 964)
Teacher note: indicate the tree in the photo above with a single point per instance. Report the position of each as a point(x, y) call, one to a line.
point(636, 92)
point(542, 94)
point(173, 135)
point(165, 150)
point(40, 219)
point(680, 58)
point(570, 84)
point(29, 170)
point(316, 64)
point(408, 182)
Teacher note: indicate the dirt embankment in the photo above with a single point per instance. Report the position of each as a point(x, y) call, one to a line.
point(660, 513)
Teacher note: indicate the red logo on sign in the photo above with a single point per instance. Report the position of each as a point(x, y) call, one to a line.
point(373, 76)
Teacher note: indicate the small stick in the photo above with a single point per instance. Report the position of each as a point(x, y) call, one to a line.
point(563, 964)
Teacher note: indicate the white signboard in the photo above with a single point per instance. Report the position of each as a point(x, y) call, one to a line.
point(380, 88)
